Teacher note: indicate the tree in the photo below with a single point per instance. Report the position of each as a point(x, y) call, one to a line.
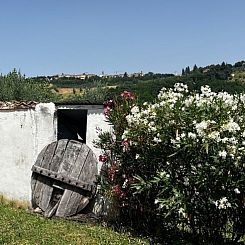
point(125, 74)
point(15, 86)
point(195, 68)
point(187, 70)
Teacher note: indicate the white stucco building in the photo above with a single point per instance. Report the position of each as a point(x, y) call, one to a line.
point(27, 128)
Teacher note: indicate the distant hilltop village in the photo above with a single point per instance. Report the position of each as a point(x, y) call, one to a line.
point(84, 76)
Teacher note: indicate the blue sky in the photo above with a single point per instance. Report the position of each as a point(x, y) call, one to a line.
point(45, 37)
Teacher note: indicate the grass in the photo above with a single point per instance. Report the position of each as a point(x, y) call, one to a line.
point(19, 227)
point(4, 200)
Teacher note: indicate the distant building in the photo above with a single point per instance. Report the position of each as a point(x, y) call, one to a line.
point(82, 76)
point(136, 74)
point(118, 75)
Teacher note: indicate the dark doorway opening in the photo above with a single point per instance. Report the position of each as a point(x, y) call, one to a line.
point(72, 124)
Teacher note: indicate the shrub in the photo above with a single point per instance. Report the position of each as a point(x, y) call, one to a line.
point(15, 86)
point(89, 95)
point(177, 165)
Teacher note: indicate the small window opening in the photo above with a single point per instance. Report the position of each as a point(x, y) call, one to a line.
point(72, 124)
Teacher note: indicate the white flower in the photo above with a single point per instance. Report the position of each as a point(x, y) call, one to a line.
point(215, 135)
point(162, 174)
point(222, 154)
point(200, 127)
point(233, 141)
point(135, 110)
point(222, 203)
point(156, 201)
point(237, 191)
point(124, 136)
point(125, 183)
point(192, 135)
point(231, 126)
point(206, 90)
point(157, 140)
point(182, 135)
point(224, 140)
point(180, 87)
point(181, 212)
point(137, 156)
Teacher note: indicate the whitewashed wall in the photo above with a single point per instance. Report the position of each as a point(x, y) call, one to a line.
point(95, 120)
point(23, 134)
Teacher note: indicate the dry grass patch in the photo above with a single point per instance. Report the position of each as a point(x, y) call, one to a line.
point(4, 200)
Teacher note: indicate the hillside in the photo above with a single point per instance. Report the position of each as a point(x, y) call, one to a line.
point(220, 77)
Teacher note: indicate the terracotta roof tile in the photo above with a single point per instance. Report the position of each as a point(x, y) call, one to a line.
point(12, 105)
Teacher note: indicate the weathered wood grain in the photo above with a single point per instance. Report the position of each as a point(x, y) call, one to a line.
point(63, 178)
point(35, 177)
point(70, 156)
point(89, 172)
point(73, 201)
point(64, 207)
point(46, 187)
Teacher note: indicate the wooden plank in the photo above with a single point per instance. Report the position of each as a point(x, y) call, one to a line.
point(70, 156)
point(54, 201)
point(40, 157)
point(67, 165)
point(48, 188)
point(89, 166)
point(34, 179)
point(49, 154)
point(80, 161)
point(62, 178)
point(83, 203)
point(77, 203)
point(59, 154)
point(44, 188)
point(50, 211)
point(72, 201)
point(89, 173)
point(61, 210)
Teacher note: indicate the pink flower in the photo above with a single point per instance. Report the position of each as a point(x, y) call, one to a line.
point(108, 103)
point(127, 95)
point(117, 191)
point(125, 144)
point(107, 110)
point(112, 171)
point(102, 158)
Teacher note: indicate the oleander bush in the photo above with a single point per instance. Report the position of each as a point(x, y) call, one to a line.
point(175, 167)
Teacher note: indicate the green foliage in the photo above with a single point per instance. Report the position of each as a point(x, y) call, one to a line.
point(15, 86)
point(219, 77)
point(176, 166)
point(95, 94)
